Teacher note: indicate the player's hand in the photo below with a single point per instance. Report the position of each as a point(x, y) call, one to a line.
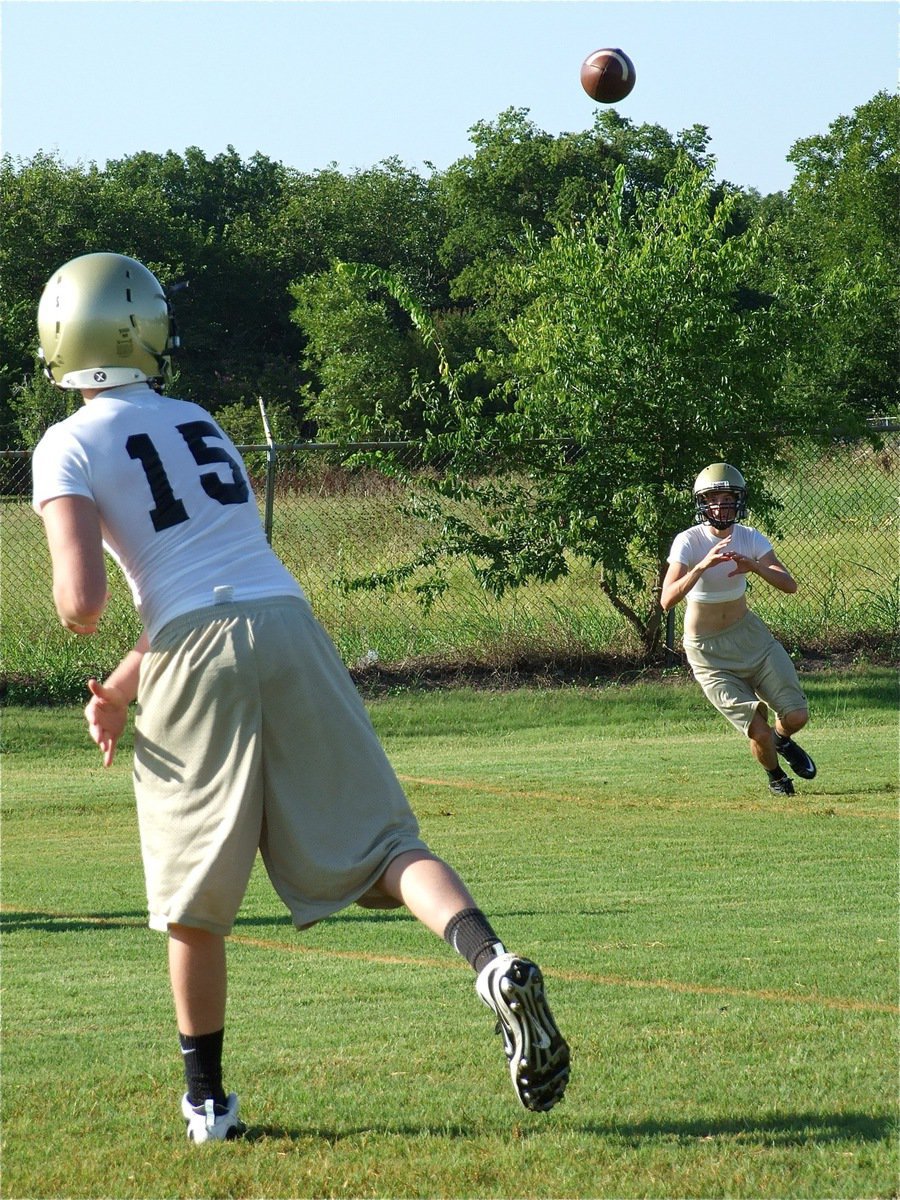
point(718, 554)
point(742, 564)
point(106, 714)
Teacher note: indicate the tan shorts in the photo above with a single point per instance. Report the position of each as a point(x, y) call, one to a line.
point(741, 666)
point(251, 735)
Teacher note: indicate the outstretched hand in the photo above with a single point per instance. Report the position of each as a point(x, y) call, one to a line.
point(106, 714)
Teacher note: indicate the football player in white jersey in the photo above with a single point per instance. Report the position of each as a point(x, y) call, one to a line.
point(742, 669)
point(249, 733)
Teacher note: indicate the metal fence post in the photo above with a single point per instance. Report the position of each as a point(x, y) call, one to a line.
point(671, 656)
point(271, 456)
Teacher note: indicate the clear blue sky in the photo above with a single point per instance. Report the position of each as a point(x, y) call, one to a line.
point(311, 82)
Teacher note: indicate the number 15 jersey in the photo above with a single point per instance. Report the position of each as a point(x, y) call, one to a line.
point(176, 507)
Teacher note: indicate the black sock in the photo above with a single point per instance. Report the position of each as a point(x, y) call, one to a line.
point(203, 1066)
point(470, 934)
point(775, 774)
point(782, 741)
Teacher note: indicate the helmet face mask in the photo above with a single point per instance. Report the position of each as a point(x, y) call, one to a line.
point(714, 482)
point(104, 321)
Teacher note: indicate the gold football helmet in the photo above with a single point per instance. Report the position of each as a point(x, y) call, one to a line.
point(103, 321)
point(720, 477)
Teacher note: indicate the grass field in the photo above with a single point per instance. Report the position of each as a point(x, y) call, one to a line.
point(723, 964)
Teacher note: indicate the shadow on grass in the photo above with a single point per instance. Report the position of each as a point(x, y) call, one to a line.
point(12, 921)
point(43, 922)
point(788, 1129)
point(797, 1129)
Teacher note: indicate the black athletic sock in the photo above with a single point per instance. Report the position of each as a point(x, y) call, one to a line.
point(470, 934)
point(203, 1066)
point(782, 741)
point(776, 774)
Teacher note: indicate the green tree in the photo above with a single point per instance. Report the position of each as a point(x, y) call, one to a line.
point(364, 352)
point(386, 216)
point(520, 176)
point(447, 239)
point(634, 360)
point(238, 338)
point(50, 213)
point(360, 352)
point(211, 221)
point(35, 405)
point(838, 255)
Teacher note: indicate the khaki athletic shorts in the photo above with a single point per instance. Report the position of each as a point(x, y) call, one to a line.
point(741, 666)
point(251, 735)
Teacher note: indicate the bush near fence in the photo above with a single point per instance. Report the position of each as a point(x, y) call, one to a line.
point(331, 519)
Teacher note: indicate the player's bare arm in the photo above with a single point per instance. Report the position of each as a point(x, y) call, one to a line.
point(106, 712)
point(768, 568)
point(80, 590)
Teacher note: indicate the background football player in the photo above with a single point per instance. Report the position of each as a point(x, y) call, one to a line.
point(743, 670)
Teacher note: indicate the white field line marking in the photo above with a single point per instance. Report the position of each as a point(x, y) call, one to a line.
point(766, 806)
point(846, 1004)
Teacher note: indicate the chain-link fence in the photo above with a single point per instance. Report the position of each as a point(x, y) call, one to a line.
point(334, 519)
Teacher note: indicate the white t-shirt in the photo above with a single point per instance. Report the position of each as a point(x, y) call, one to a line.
point(176, 507)
point(715, 586)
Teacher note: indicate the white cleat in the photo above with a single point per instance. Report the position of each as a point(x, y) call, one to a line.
point(537, 1052)
point(210, 1122)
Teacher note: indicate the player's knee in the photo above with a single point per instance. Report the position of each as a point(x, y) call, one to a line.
point(192, 935)
point(794, 721)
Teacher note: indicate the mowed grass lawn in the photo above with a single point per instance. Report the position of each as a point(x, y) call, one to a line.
point(723, 963)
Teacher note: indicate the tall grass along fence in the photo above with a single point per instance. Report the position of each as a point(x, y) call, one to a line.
point(332, 518)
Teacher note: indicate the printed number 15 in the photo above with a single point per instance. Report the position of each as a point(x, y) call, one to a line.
point(167, 509)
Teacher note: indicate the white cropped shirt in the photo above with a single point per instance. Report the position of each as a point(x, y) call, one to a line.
point(717, 584)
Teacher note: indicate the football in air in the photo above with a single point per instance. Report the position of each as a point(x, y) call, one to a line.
point(607, 75)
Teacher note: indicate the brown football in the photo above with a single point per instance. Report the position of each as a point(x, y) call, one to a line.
point(607, 75)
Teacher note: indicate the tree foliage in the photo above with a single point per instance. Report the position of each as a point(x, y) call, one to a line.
point(521, 177)
point(253, 236)
point(634, 360)
point(364, 354)
point(575, 323)
point(837, 256)
point(472, 220)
